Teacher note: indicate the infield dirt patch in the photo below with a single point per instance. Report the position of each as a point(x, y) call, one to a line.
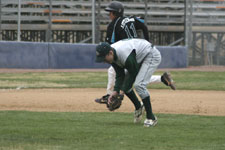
point(82, 100)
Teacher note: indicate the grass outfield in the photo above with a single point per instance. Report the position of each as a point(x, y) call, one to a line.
point(185, 80)
point(21, 130)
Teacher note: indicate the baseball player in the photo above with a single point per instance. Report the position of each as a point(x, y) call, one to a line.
point(122, 28)
point(140, 58)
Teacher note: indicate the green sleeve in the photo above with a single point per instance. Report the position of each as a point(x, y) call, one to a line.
point(132, 67)
point(120, 75)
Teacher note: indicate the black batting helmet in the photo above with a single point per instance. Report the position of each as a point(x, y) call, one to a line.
point(115, 6)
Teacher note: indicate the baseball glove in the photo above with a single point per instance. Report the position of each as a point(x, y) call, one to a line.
point(115, 102)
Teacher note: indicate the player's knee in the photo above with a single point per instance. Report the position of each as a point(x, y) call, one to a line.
point(138, 88)
point(141, 90)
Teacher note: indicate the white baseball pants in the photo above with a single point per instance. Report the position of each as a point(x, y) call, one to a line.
point(112, 79)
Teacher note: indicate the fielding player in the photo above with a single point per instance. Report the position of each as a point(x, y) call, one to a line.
point(140, 58)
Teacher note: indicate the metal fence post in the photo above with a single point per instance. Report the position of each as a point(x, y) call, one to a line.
point(93, 22)
point(146, 12)
point(18, 21)
point(49, 30)
point(188, 6)
point(188, 22)
point(0, 20)
point(97, 37)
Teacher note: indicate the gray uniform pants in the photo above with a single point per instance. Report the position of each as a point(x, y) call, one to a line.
point(148, 67)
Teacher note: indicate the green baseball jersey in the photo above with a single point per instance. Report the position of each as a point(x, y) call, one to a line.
point(129, 55)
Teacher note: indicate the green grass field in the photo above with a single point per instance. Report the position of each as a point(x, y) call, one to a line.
point(108, 131)
point(23, 130)
point(185, 80)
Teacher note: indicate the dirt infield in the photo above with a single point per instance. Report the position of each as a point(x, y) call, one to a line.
point(82, 100)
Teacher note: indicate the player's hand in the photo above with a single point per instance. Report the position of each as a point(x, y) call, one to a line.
point(114, 101)
point(114, 93)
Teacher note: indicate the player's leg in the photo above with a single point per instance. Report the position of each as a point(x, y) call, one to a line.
point(165, 78)
point(139, 107)
point(140, 86)
point(155, 79)
point(110, 86)
point(148, 67)
point(111, 80)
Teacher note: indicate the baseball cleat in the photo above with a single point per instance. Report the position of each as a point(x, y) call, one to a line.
point(103, 99)
point(138, 114)
point(150, 122)
point(168, 80)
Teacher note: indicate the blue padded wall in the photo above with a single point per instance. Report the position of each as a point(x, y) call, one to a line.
point(73, 56)
point(23, 55)
point(33, 55)
point(173, 56)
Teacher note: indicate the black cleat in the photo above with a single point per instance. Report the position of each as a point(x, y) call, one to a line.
point(103, 99)
point(167, 80)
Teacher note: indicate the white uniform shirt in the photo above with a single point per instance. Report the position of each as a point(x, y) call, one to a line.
point(125, 47)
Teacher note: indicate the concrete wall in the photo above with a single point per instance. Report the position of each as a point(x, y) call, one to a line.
point(33, 55)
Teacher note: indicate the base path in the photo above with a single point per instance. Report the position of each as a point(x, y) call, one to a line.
point(82, 100)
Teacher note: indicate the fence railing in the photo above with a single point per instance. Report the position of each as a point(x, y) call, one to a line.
point(160, 14)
